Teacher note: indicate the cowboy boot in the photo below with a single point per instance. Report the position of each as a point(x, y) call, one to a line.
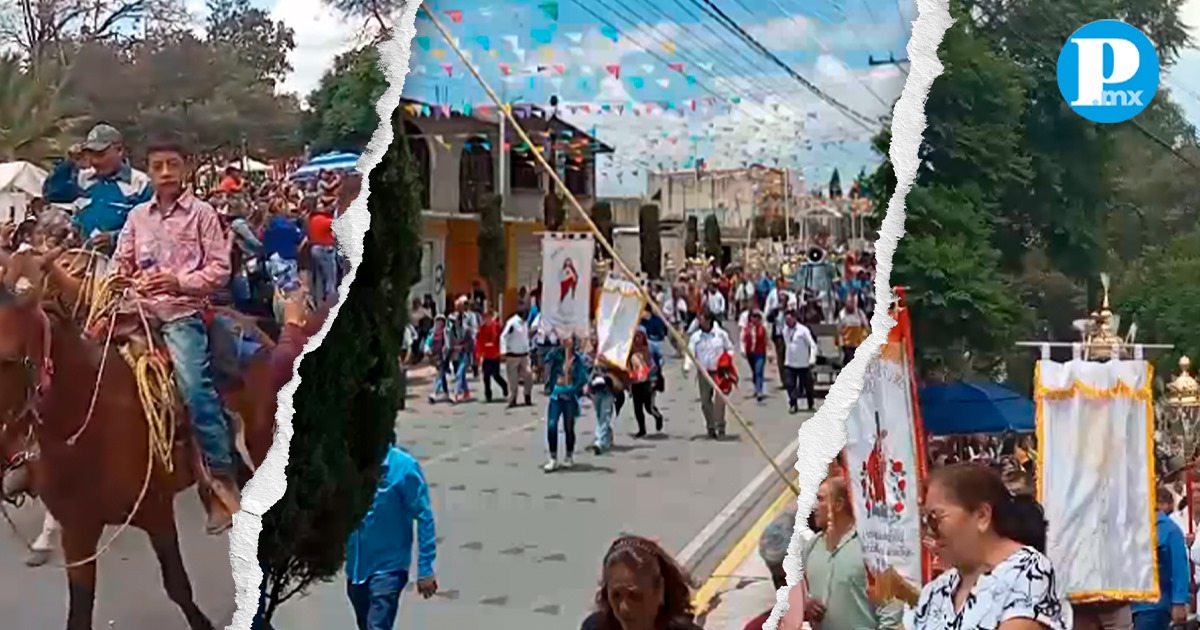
point(221, 501)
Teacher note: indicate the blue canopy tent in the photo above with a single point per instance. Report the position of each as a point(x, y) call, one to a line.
point(333, 161)
point(967, 408)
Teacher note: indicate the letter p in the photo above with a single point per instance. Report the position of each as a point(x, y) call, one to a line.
point(1126, 61)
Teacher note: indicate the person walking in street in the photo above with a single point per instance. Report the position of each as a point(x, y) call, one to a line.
point(643, 376)
point(379, 552)
point(322, 251)
point(641, 588)
point(437, 348)
point(487, 350)
point(800, 354)
point(835, 570)
point(1174, 581)
point(462, 344)
point(779, 301)
point(708, 343)
point(754, 346)
point(853, 329)
point(566, 377)
point(605, 385)
point(515, 346)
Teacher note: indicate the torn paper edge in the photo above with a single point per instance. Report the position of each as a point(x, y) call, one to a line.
point(270, 481)
point(823, 436)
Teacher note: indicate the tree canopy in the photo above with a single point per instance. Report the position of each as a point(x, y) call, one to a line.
point(341, 111)
point(1020, 203)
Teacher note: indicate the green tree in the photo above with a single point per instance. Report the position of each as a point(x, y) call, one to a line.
point(650, 240)
point(1161, 293)
point(341, 111)
point(354, 378)
point(33, 114)
point(835, 185)
point(492, 251)
point(248, 35)
point(691, 237)
point(712, 238)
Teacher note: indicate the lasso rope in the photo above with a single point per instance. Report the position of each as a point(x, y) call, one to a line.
point(155, 385)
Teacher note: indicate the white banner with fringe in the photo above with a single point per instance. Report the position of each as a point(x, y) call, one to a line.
point(617, 318)
point(1095, 477)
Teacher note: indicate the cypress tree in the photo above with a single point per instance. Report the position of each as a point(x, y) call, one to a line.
point(492, 250)
point(691, 237)
point(602, 216)
point(650, 237)
point(712, 238)
point(345, 408)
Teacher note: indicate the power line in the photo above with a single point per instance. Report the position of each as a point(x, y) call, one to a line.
point(858, 118)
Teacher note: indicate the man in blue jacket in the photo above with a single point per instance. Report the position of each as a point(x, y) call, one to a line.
point(1174, 571)
point(379, 553)
point(98, 180)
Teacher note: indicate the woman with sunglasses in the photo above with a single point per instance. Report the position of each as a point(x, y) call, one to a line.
point(992, 544)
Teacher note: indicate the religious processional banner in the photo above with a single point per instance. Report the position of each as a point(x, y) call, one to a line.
point(885, 462)
point(617, 318)
point(567, 283)
point(1095, 477)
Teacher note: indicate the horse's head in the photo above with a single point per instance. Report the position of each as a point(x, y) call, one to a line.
point(25, 365)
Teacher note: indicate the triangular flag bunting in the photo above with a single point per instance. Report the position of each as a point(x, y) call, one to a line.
point(664, 83)
point(423, 42)
point(455, 16)
point(691, 80)
point(505, 69)
point(614, 69)
point(677, 67)
point(637, 82)
point(484, 42)
point(438, 54)
point(541, 36)
point(669, 47)
point(575, 37)
point(550, 9)
point(449, 68)
point(610, 32)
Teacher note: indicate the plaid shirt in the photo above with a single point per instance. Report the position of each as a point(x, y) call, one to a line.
point(185, 240)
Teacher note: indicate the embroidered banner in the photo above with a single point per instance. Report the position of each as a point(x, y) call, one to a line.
point(567, 283)
point(1096, 477)
point(885, 463)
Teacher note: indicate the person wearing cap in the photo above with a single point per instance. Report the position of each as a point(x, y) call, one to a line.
point(773, 548)
point(97, 179)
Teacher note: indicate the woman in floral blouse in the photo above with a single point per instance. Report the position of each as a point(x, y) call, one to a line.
point(992, 543)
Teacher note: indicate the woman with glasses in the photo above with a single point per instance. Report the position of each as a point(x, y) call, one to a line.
point(992, 544)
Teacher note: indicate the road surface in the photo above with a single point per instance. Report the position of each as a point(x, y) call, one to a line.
point(517, 547)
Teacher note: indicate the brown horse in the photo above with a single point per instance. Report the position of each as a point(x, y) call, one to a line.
point(49, 372)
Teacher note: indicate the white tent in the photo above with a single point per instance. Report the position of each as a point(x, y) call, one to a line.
point(20, 183)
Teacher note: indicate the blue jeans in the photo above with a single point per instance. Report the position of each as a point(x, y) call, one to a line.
point(758, 363)
point(187, 343)
point(441, 384)
point(460, 375)
point(566, 409)
point(1159, 619)
point(603, 402)
point(378, 600)
point(324, 272)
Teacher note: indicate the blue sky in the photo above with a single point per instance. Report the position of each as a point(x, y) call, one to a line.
point(625, 54)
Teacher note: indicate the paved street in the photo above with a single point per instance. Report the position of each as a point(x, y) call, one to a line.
point(517, 547)
point(521, 548)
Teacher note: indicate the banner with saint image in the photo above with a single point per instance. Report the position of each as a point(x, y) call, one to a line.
point(617, 319)
point(567, 283)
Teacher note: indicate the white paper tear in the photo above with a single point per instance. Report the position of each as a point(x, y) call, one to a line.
point(269, 482)
point(824, 435)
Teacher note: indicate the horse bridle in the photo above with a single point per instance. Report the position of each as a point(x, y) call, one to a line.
point(38, 374)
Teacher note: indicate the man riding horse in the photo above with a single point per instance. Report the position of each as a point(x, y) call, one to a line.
point(173, 252)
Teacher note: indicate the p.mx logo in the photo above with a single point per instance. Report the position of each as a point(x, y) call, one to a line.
point(1108, 71)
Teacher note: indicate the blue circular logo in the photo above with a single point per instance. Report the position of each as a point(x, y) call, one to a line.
point(1108, 71)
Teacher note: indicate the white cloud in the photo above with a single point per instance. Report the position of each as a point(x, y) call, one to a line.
point(320, 36)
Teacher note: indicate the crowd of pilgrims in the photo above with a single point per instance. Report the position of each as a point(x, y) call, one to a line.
point(769, 320)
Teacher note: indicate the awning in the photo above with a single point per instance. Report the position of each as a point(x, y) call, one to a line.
point(327, 162)
point(966, 408)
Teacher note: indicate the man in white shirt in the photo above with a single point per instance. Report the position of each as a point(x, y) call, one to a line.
point(708, 343)
point(514, 345)
point(714, 303)
point(779, 300)
point(801, 353)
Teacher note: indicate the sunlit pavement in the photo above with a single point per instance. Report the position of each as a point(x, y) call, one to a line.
point(520, 548)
